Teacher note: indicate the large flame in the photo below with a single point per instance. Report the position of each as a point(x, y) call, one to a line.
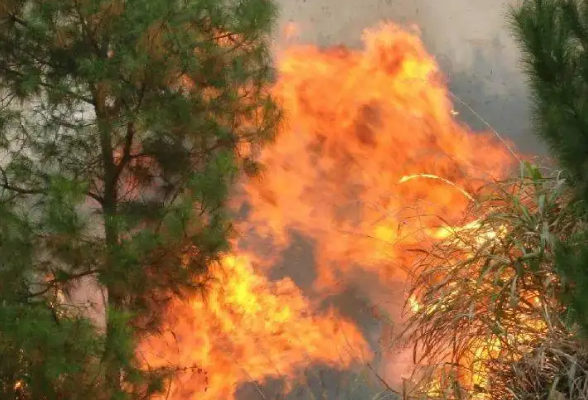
point(358, 122)
point(247, 329)
point(369, 157)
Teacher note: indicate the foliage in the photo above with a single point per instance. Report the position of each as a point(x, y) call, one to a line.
point(489, 298)
point(47, 357)
point(553, 35)
point(122, 126)
point(557, 368)
point(44, 355)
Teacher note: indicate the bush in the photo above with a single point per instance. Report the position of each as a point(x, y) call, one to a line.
point(487, 317)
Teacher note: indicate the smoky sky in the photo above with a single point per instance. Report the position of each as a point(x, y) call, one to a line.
point(471, 41)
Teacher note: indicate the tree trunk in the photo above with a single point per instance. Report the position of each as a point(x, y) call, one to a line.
point(109, 208)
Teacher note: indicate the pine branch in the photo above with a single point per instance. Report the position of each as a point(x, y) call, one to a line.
point(52, 284)
point(126, 156)
point(77, 96)
point(6, 185)
point(86, 30)
point(12, 188)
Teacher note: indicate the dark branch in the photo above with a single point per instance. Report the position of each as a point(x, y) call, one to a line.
point(6, 185)
point(86, 30)
point(96, 197)
point(126, 156)
point(54, 282)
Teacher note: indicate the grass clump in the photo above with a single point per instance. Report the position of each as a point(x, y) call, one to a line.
point(486, 316)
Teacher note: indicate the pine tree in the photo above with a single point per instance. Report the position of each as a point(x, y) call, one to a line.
point(122, 125)
point(553, 35)
point(45, 355)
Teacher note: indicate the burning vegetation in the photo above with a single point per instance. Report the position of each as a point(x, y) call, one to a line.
point(487, 317)
point(372, 169)
point(370, 172)
point(370, 163)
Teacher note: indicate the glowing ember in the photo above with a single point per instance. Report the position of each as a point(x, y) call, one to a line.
point(361, 126)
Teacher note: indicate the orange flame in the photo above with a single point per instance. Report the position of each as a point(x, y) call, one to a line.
point(360, 125)
point(248, 329)
point(358, 122)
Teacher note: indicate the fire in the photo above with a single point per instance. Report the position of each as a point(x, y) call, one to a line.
point(474, 370)
point(358, 122)
point(248, 329)
point(361, 126)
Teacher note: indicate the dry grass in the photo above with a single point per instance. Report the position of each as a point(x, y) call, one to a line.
point(489, 323)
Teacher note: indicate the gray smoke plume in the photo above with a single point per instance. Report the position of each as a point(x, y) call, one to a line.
point(470, 40)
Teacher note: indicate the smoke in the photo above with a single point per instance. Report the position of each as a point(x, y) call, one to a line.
point(470, 40)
